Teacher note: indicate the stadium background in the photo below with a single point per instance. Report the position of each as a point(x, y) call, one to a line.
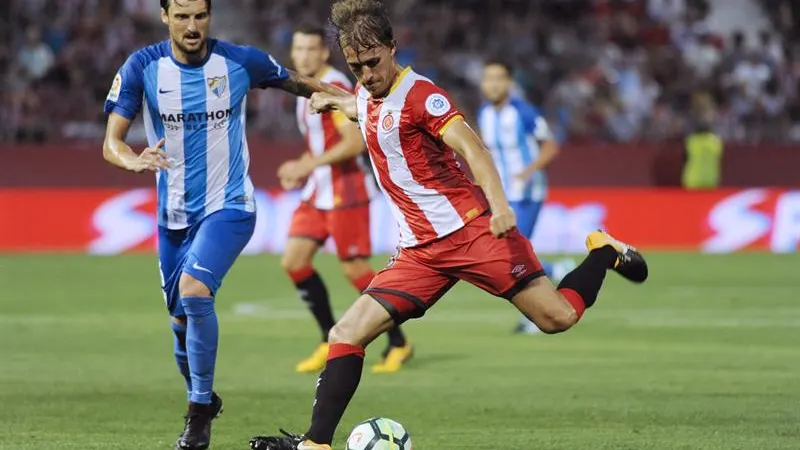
point(622, 82)
point(704, 356)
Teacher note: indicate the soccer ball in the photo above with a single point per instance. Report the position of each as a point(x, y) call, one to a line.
point(379, 433)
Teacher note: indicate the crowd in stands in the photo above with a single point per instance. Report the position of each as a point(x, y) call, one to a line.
point(611, 70)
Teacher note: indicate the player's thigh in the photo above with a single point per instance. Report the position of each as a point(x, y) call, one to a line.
point(355, 268)
point(540, 302)
point(364, 320)
point(406, 289)
point(172, 249)
point(500, 266)
point(217, 244)
point(526, 218)
point(299, 253)
point(350, 230)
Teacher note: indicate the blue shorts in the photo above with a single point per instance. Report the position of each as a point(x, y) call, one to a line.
point(527, 212)
point(206, 251)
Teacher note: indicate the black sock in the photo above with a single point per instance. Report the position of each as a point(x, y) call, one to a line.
point(336, 386)
point(588, 277)
point(314, 294)
point(396, 337)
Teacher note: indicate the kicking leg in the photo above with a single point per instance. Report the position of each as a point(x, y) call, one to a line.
point(556, 310)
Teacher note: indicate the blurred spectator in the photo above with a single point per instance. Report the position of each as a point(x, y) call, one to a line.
point(34, 57)
point(618, 70)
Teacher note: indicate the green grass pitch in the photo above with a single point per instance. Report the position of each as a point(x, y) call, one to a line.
point(704, 356)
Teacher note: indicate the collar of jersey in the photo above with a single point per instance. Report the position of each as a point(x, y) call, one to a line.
point(399, 80)
point(211, 43)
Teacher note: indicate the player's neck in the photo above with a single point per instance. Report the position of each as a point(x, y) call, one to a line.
point(502, 103)
point(189, 59)
point(398, 72)
point(322, 71)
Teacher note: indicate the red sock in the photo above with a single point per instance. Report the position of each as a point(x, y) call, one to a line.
point(362, 283)
point(298, 276)
point(575, 300)
point(340, 350)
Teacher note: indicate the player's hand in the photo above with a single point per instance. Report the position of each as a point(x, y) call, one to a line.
point(502, 221)
point(152, 158)
point(321, 102)
point(290, 183)
point(523, 177)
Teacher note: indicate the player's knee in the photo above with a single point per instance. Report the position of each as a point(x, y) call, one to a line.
point(342, 333)
point(559, 321)
point(293, 263)
point(190, 286)
point(355, 269)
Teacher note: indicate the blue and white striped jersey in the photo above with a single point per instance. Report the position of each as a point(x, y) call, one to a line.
point(513, 132)
point(200, 110)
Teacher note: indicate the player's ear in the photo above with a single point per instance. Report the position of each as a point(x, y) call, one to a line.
point(164, 16)
point(393, 48)
point(326, 53)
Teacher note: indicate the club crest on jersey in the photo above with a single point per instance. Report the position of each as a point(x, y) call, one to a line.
point(388, 121)
point(437, 105)
point(218, 85)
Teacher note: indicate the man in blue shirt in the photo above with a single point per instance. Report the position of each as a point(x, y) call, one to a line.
point(522, 146)
point(192, 91)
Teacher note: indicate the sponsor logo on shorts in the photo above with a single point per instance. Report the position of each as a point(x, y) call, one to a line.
point(519, 270)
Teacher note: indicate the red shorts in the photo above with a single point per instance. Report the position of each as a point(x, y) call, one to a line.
point(417, 277)
point(349, 228)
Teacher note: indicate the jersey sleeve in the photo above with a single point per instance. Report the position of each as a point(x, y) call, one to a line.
point(127, 89)
point(433, 111)
point(536, 124)
point(263, 69)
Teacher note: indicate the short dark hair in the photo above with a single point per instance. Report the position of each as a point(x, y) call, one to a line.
point(502, 63)
point(312, 29)
point(165, 4)
point(362, 24)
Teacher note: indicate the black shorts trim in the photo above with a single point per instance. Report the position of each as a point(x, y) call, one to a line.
point(389, 307)
point(420, 306)
point(522, 284)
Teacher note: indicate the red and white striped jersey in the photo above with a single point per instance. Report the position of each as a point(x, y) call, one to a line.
point(338, 185)
point(428, 192)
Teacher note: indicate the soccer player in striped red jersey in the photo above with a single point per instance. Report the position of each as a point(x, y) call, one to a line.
point(335, 202)
point(451, 228)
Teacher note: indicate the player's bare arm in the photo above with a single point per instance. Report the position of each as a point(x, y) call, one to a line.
point(120, 154)
point(548, 150)
point(345, 103)
point(350, 146)
point(461, 138)
point(304, 86)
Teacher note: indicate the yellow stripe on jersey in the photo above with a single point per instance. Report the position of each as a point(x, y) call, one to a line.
point(449, 123)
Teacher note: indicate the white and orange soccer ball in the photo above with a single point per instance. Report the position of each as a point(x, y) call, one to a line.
point(379, 433)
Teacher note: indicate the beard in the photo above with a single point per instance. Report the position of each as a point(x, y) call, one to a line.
point(192, 51)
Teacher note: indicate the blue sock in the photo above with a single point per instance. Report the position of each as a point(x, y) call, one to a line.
point(202, 335)
point(548, 268)
point(179, 345)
